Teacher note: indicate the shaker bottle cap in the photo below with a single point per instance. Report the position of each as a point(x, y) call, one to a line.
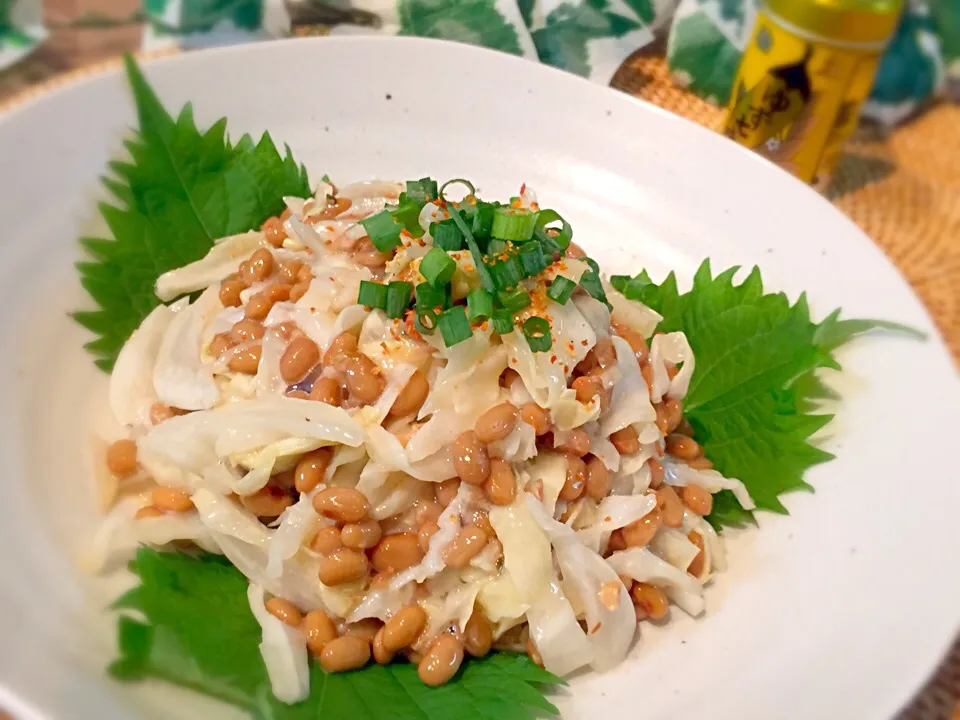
point(854, 22)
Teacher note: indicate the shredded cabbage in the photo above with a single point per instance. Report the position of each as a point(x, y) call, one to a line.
point(676, 473)
point(674, 547)
point(630, 400)
point(223, 259)
point(180, 377)
point(284, 651)
point(551, 470)
point(449, 525)
point(131, 382)
point(246, 542)
point(614, 512)
point(610, 630)
point(632, 313)
point(642, 565)
point(242, 431)
point(670, 348)
point(199, 440)
point(528, 564)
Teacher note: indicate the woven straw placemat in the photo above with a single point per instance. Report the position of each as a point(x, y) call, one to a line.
point(902, 188)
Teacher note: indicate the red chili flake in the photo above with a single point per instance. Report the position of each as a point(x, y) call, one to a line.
point(607, 518)
point(523, 188)
point(583, 342)
point(570, 345)
point(483, 325)
point(411, 330)
point(596, 628)
point(328, 243)
point(553, 358)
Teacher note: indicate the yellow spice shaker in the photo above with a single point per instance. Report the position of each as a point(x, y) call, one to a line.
point(803, 77)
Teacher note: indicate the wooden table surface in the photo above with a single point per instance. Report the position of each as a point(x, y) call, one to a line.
point(902, 187)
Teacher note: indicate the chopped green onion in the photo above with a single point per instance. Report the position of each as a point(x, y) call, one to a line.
point(425, 321)
point(561, 289)
point(454, 326)
point(514, 300)
point(429, 297)
point(398, 298)
point(479, 305)
point(475, 253)
point(437, 267)
point(457, 181)
point(447, 236)
point(407, 213)
point(549, 246)
point(513, 224)
point(565, 234)
point(483, 220)
point(383, 230)
point(496, 247)
point(502, 322)
point(423, 190)
point(532, 259)
point(592, 264)
point(537, 332)
point(590, 281)
point(507, 273)
point(372, 294)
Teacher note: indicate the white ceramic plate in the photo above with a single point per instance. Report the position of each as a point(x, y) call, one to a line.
point(838, 611)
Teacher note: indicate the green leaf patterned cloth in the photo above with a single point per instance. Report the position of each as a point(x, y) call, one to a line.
point(21, 29)
point(591, 37)
point(588, 37)
point(708, 36)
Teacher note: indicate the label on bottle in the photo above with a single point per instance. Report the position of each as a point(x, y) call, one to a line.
point(796, 100)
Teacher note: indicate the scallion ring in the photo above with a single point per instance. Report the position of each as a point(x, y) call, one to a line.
point(502, 322)
point(454, 326)
point(537, 332)
point(560, 289)
point(398, 298)
point(437, 267)
point(425, 321)
point(514, 300)
point(514, 224)
point(458, 181)
point(479, 305)
point(563, 236)
point(372, 294)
